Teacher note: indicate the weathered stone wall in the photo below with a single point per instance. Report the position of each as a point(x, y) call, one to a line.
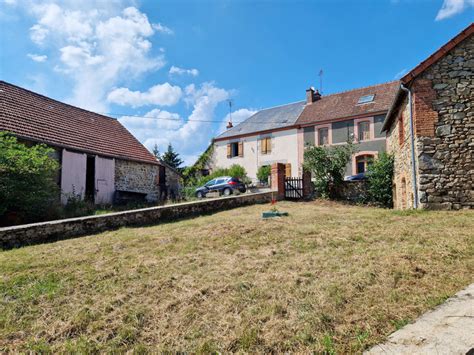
point(355, 191)
point(443, 112)
point(137, 177)
point(16, 236)
point(144, 178)
point(400, 147)
point(446, 158)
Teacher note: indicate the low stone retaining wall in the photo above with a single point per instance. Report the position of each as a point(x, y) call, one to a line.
point(27, 234)
point(354, 191)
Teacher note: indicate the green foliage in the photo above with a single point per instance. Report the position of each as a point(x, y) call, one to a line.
point(263, 173)
point(192, 173)
point(156, 151)
point(171, 157)
point(76, 206)
point(328, 164)
point(380, 175)
point(27, 187)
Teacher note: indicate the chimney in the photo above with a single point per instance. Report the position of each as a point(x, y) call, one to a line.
point(312, 95)
point(229, 125)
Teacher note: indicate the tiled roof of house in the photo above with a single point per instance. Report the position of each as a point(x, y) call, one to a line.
point(39, 118)
point(344, 104)
point(266, 120)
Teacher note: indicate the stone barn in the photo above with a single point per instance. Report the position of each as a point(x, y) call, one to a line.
point(100, 159)
point(434, 166)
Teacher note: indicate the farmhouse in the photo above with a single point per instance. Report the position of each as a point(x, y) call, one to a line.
point(100, 160)
point(434, 165)
point(280, 134)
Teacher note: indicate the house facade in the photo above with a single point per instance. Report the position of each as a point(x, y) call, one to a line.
point(100, 160)
point(437, 100)
point(281, 134)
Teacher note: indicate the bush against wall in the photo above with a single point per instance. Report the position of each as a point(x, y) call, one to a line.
point(380, 177)
point(263, 173)
point(28, 190)
point(327, 165)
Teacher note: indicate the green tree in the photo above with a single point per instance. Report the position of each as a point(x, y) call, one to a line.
point(263, 173)
point(27, 180)
point(156, 151)
point(171, 157)
point(328, 164)
point(380, 177)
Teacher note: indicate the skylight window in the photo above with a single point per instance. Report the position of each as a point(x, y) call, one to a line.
point(366, 98)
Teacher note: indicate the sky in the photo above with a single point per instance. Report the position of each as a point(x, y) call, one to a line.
point(166, 69)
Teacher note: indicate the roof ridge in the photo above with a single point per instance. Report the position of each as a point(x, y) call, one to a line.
point(55, 100)
point(269, 108)
point(363, 87)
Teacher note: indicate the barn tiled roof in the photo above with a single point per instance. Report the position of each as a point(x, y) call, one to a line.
point(344, 104)
point(267, 120)
point(39, 118)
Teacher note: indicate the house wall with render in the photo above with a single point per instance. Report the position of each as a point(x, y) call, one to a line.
point(443, 113)
point(284, 149)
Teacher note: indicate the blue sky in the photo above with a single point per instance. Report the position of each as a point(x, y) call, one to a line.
point(179, 61)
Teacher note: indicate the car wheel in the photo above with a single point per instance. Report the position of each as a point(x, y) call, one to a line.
point(227, 192)
point(199, 194)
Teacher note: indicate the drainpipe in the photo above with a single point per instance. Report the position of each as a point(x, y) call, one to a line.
point(412, 139)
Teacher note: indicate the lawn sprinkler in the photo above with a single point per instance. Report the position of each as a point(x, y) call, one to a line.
point(273, 210)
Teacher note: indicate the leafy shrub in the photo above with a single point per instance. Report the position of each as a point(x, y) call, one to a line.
point(263, 173)
point(328, 164)
point(380, 176)
point(28, 191)
point(76, 206)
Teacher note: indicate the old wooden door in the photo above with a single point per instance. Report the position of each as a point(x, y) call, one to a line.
point(73, 175)
point(104, 180)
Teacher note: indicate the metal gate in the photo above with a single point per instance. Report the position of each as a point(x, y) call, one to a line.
point(293, 188)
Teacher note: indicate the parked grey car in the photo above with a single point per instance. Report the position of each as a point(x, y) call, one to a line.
point(225, 185)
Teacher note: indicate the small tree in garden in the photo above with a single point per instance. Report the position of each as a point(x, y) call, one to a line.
point(328, 164)
point(156, 151)
point(263, 173)
point(171, 157)
point(380, 175)
point(27, 186)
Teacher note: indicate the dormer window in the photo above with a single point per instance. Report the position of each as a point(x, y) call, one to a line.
point(366, 99)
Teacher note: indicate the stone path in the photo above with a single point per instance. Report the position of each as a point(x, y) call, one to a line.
point(448, 329)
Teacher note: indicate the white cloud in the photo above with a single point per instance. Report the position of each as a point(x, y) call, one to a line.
point(37, 57)
point(162, 29)
point(451, 8)
point(188, 136)
point(237, 116)
point(99, 44)
point(161, 94)
point(182, 71)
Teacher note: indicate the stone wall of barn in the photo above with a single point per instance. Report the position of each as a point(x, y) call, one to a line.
point(443, 112)
point(143, 178)
point(445, 130)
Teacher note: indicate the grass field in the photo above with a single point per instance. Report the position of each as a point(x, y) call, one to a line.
point(329, 277)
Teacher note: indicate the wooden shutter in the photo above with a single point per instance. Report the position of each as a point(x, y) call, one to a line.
point(241, 149)
point(229, 151)
point(269, 145)
point(263, 146)
point(288, 170)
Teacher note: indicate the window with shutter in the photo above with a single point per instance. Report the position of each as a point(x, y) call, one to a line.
point(288, 170)
point(266, 145)
point(229, 151)
point(364, 131)
point(241, 149)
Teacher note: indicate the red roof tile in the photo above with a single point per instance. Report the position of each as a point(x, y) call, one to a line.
point(39, 118)
point(344, 104)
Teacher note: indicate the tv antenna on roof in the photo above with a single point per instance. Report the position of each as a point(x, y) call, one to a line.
point(229, 124)
point(320, 81)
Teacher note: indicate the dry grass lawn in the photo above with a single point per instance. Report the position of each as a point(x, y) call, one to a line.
point(329, 277)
